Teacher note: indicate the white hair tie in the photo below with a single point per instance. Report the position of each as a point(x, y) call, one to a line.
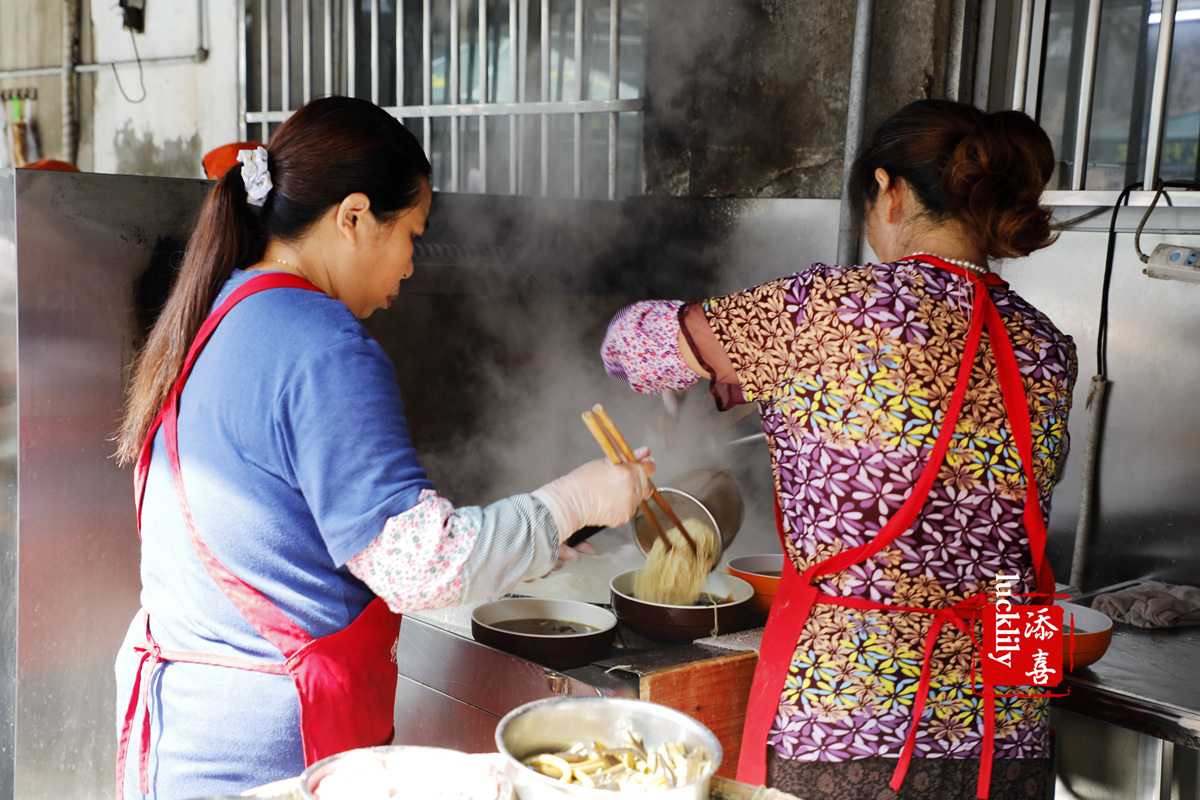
point(255, 175)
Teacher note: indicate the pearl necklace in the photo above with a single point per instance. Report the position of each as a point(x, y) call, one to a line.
point(303, 274)
point(958, 262)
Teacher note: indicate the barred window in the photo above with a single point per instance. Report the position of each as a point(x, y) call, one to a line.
point(536, 97)
point(1115, 83)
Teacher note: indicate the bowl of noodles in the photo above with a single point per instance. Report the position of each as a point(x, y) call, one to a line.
point(598, 748)
point(724, 605)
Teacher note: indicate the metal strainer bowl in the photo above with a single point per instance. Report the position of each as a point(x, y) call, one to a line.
point(710, 495)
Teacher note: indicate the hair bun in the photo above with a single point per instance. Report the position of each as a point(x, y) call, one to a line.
point(994, 180)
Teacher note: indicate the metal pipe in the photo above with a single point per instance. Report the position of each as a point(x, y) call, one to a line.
point(199, 58)
point(264, 66)
point(483, 92)
point(544, 178)
point(856, 108)
point(954, 53)
point(1085, 526)
point(399, 52)
point(514, 122)
point(614, 87)
point(285, 55)
point(328, 6)
point(243, 70)
point(523, 49)
point(1087, 81)
point(452, 95)
point(983, 53)
point(1158, 98)
point(351, 49)
point(70, 29)
point(427, 76)
point(306, 52)
point(375, 52)
point(1024, 36)
point(580, 81)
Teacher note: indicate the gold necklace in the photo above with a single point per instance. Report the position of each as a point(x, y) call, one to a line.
point(303, 274)
point(958, 262)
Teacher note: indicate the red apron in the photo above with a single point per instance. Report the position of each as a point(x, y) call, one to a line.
point(798, 594)
point(346, 681)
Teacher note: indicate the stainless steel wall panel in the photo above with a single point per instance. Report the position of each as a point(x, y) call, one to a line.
point(8, 479)
point(1148, 514)
point(80, 244)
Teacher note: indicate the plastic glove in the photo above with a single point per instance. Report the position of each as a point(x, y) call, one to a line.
point(598, 493)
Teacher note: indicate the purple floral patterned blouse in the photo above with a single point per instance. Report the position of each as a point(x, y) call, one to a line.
point(852, 368)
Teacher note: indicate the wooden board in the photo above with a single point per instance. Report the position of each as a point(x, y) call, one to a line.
point(714, 691)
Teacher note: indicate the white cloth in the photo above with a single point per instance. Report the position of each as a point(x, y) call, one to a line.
point(1152, 605)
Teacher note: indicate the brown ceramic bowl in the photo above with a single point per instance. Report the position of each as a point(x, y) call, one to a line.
point(1090, 636)
point(762, 572)
point(685, 623)
point(555, 650)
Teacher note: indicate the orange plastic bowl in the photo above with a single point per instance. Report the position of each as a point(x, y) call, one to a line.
point(762, 572)
point(1092, 633)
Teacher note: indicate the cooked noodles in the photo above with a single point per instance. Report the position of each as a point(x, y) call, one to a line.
point(631, 768)
point(676, 576)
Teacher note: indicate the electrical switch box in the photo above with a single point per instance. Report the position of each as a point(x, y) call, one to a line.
point(133, 15)
point(1173, 262)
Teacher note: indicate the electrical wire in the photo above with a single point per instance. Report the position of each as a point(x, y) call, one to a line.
point(1067, 223)
point(141, 79)
point(1102, 324)
point(1137, 236)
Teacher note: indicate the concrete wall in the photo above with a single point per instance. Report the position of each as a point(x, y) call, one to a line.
point(31, 36)
point(188, 108)
point(748, 98)
point(159, 123)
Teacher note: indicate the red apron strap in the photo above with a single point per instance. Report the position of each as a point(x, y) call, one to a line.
point(263, 615)
point(792, 606)
point(259, 283)
point(271, 623)
point(1020, 427)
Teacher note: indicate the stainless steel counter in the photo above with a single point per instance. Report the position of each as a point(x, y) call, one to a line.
point(452, 690)
point(1129, 727)
point(1147, 682)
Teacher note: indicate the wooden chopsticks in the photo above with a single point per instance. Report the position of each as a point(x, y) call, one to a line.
point(606, 433)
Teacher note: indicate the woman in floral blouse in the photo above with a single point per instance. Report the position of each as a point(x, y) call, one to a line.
point(908, 405)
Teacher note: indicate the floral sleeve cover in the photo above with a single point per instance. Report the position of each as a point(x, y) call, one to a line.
point(641, 347)
point(853, 369)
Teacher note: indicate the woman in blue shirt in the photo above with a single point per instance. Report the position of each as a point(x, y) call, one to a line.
point(285, 518)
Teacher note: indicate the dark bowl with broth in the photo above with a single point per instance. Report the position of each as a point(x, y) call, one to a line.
point(560, 634)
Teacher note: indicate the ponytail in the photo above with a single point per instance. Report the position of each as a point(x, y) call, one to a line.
point(221, 241)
